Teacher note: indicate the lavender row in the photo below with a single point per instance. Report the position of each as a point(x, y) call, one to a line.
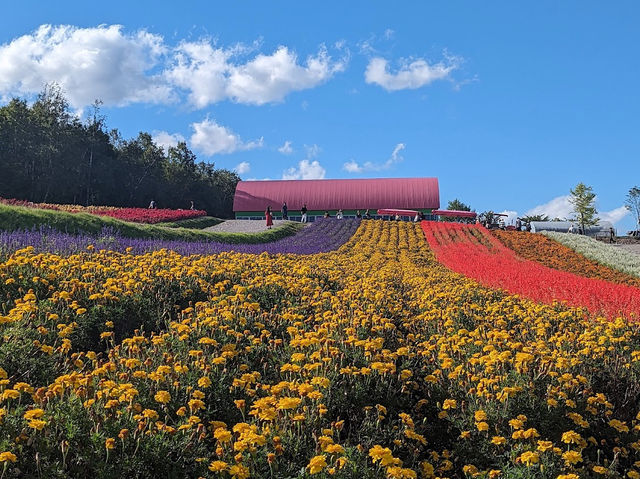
point(319, 237)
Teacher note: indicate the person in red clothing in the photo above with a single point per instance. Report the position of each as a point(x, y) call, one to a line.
point(269, 217)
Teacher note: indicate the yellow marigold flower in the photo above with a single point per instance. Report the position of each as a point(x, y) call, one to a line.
point(572, 457)
point(204, 382)
point(110, 443)
point(480, 415)
point(619, 426)
point(33, 414)
point(10, 394)
point(633, 475)
point(37, 424)
point(529, 458)
point(163, 397)
point(123, 434)
point(498, 440)
point(482, 426)
point(288, 403)
point(238, 471)
point(196, 404)
point(222, 435)
point(181, 411)
point(317, 464)
point(571, 437)
point(150, 414)
point(7, 457)
point(470, 469)
point(218, 466)
point(449, 404)
point(465, 434)
point(334, 449)
point(493, 473)
point(600, 470)
point(516, 423)
point(544, 446)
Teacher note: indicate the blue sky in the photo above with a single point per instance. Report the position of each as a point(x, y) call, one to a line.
point(509, 105)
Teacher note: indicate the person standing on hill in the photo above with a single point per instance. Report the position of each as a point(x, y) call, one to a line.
point(269, 217)
point(285, 211)
point(152, 205)
point(303, 211)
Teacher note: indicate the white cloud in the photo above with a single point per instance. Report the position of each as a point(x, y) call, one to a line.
point(312, 151)
point(306, 170)
point(614, 215)
point(242, 168)
point(353, 166)
point(560, 207)
point(121, 68)
point(286, 149)
point(415, 74)
point(510, 219)
point(88, 63)
point(166, 140)
point(210, 74)
point(211, 139)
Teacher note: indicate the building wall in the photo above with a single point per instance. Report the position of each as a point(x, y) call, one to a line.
point(295, 215)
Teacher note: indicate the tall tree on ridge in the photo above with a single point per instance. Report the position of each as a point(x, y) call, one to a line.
point(583, 200)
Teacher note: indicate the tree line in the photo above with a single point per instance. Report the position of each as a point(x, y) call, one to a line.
point(49, 155)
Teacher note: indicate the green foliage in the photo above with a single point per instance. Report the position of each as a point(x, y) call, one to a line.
point(20, 218)
point(583, 200)
point(47, 155)
point(458, 205)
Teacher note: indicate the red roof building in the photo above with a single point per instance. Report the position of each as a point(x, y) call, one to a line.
point(253, 197)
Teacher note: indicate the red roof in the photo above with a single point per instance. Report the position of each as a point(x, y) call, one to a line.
point(455, 213)
point(351, 194)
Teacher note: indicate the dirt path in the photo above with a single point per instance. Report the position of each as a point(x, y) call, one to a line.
point(244, 226)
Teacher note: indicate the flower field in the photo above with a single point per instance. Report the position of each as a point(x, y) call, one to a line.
point(601, 252)
point(372, 361)
point(474, 252)
point(320, 236)
point(134, 215)
point(551, 253)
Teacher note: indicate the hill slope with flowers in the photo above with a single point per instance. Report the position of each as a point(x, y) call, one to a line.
point(372, 361)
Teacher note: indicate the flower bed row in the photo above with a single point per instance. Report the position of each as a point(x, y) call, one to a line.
point(374, 361)
point(320, 236)
point(135, 215)
point(472, 251)
point(603, 253)
point(551, 253)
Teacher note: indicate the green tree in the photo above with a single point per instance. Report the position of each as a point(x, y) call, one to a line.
point(457, 205)
point(632, 203)
point(583, 200)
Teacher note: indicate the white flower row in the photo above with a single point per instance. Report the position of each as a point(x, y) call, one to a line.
point(603, 253)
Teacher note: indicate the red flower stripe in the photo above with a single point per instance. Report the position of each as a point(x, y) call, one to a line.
point(473, 252)
point(135, 215)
